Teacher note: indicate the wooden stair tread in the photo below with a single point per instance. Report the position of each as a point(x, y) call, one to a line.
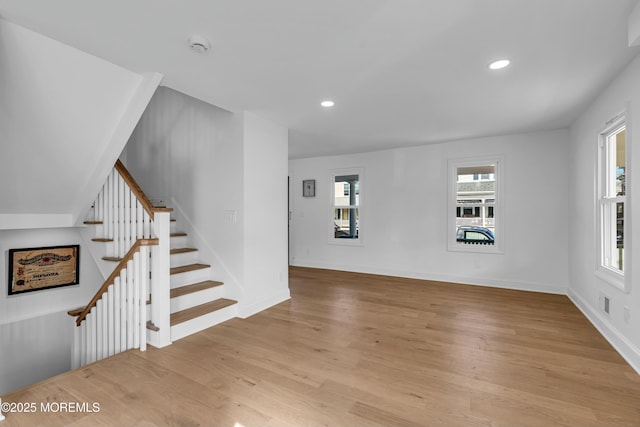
point(195, 287)
point(200, 310)
point(92, 222)
point(178, 234)
point(100, 239)
point(151, 326)
point(111, 258)
point(189, 267)
point(176, 251)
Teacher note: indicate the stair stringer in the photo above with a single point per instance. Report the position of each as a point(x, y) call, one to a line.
point(233, 289)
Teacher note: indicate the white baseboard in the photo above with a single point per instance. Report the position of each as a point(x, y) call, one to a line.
point(626, 348)
point(256, 307)
point(493, 283)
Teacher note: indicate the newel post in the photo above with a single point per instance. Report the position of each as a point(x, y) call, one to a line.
point(160, 278)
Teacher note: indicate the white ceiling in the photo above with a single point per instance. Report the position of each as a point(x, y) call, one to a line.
point(401, 72)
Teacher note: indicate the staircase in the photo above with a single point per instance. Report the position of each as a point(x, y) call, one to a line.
point(196, 299)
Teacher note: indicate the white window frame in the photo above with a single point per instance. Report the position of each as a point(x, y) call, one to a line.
point(604, 232)
point(361, 187)
point(498, 207)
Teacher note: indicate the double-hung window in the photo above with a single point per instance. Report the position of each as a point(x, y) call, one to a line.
point(346, 207)
point(475, 201)
point(612, 198)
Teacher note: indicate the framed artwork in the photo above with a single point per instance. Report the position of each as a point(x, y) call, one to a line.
point(309, 188)
point(34, 269)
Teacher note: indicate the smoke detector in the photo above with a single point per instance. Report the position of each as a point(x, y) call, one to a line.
point(198, 44)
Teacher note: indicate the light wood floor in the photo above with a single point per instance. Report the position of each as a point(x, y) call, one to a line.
point(363, 350)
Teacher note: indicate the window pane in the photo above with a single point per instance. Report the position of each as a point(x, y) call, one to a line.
point(620, 144)
point(345, 224)
point(476, 186)
point(618, 255)
point(346, 206)
point(347, 190)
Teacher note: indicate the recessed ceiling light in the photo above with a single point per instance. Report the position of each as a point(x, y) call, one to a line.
point(501, 63)
point(327, 103)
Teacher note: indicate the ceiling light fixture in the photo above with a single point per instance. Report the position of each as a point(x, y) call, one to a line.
point(499, 64)
point(327, 103)
point(198, 44)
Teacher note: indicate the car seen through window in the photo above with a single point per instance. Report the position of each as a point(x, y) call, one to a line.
point(475, 236)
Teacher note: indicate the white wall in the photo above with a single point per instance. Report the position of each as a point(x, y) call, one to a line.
point(265, 220)
point(623, 93)
point(35, 331)
point(64, 114)
point(404, 214)
point(190, 154)
point(225, 176)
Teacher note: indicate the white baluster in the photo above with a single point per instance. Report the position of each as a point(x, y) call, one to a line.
point(83, 342)
point(109, 223)
point(110, 321)
point(123, 248)
point(91, 336)
point(116, 215)
point(143, 277)
point(130, 305)
point(135, 279)
point(146, 233)
point(128, 242)
point(75, 349)
point(123, 309)
point(117, 289)
point(105, 326)
point(134, 214)
point(99, 328)
point(139, 217)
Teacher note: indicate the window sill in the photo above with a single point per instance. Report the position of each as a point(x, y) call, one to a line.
point(612, 278)
point(478, 249)
point(345, 242)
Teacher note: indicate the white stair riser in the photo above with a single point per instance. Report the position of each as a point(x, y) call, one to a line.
point(172, 227)
point(196, 298)
point(190, 277)
point(178, 242)
point(184, 258)
point(192, 326)
point(109, 248)
point(97, 250)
